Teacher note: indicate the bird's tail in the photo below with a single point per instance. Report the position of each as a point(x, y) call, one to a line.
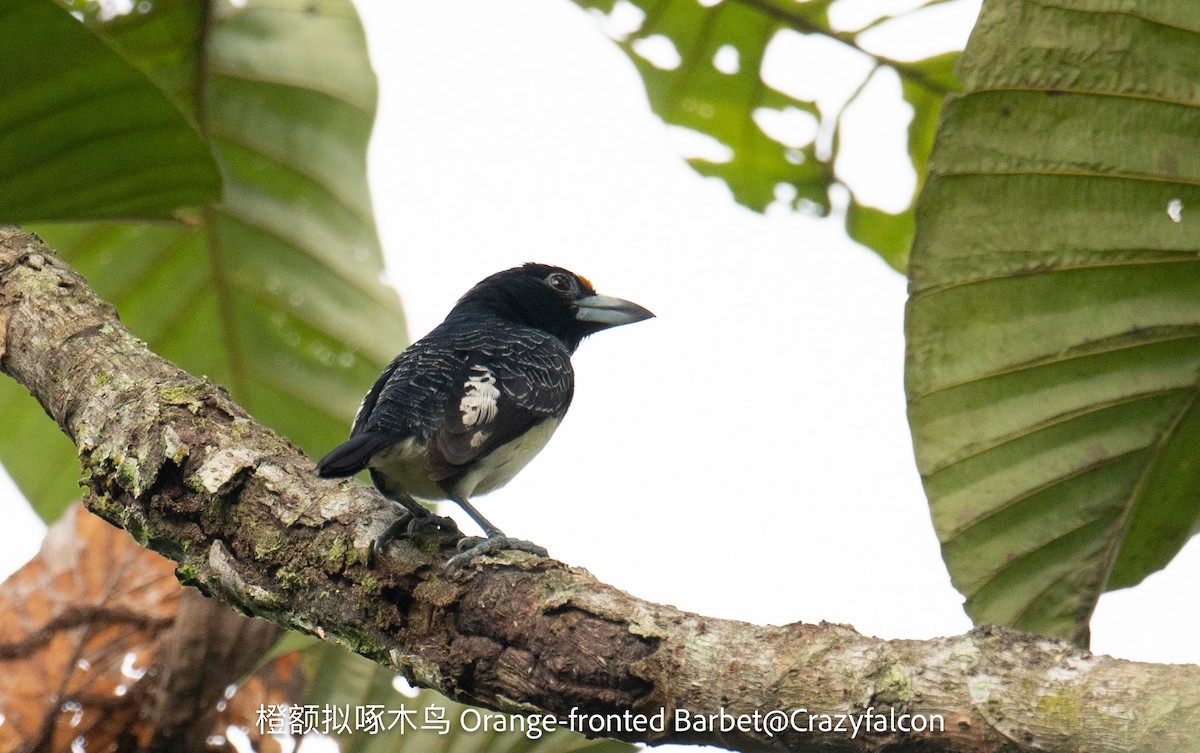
point(351, 456)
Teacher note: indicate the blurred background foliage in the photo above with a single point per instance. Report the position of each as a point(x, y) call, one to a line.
point(703, 67)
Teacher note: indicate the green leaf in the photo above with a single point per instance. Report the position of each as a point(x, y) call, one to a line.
point(86, 134)
point(429, 721)
point(697, 95)
point(924, 87)
point(889, 234)
point(164, 38)
point(1054, 323)
point(704, 93)
point(275, 291)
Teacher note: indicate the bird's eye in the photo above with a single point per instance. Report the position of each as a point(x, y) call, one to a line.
point(563, 283)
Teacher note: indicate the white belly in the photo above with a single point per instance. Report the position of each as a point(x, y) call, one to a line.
point(402, 470)
point(498, 467)
point(402, 466)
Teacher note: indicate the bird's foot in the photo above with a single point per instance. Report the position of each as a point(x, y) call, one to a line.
point(427, 523)
point(471, 547)
point(412, 523)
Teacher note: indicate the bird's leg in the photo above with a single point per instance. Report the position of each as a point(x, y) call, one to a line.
point(471, 547)
point(415, 518)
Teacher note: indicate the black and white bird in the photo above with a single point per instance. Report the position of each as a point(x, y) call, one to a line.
point(466, 407)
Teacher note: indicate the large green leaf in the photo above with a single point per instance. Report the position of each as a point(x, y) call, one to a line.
point(1054, 323)
point(717, 89)
point(345, 682)
point(274, 291)
point(162, 38)
point(83, 133)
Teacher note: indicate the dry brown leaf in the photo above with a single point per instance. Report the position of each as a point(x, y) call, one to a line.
point(79, 628)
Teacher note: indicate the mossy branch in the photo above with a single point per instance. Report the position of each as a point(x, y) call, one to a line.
point(174, 461)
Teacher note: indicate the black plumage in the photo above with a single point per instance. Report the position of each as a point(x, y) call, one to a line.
point(463, 409)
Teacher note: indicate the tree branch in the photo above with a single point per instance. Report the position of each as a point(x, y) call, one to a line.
point(174, 461)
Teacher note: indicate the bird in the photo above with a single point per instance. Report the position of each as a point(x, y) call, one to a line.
point(461, 411)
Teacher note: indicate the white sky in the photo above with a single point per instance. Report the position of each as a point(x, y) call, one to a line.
point(744, 455)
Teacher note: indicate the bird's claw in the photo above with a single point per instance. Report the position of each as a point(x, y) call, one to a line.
point(408, 523)
point(428, 523)
point(471, 547)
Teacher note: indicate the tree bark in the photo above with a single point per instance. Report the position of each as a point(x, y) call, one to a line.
point(188, 473)
point(209, 647)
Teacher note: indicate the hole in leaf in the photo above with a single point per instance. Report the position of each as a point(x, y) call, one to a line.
point(727, 60)
point(659, 51)
point(785, 198)
point(790, 126)
point(624, 19)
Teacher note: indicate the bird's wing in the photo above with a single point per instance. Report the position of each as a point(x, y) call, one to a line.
point(367, 406)
point(404, 403)
point(409, 397)
point(512, 380)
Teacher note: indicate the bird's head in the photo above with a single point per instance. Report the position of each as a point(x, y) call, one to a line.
point(551, 299)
